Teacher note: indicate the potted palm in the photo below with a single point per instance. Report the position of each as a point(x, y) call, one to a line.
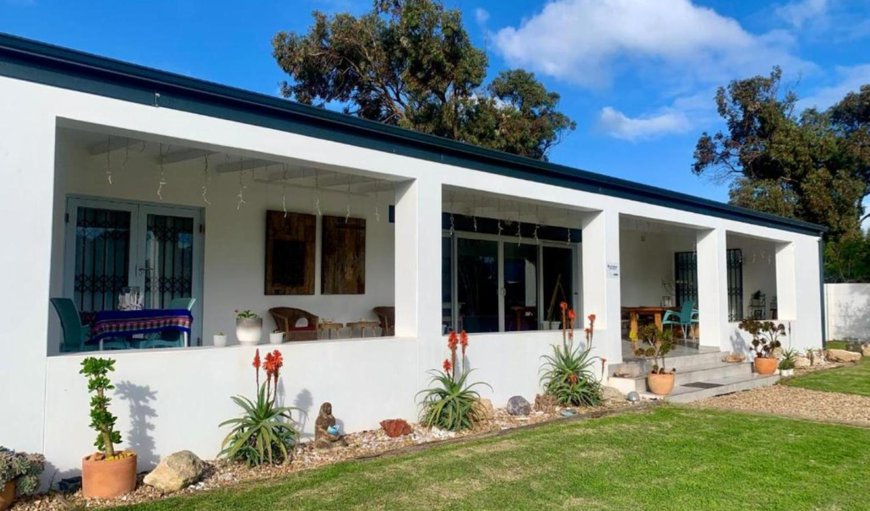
point(107, 473)
point(765, 343)
point(19, 475)
point(249, 327)
point(652, 343)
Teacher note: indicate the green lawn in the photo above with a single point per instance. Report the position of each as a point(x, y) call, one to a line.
point(850, 380)
point(667, 458)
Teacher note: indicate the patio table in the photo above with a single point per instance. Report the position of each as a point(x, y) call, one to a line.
point(364, 325)
point(131, 322)
point(645, 310)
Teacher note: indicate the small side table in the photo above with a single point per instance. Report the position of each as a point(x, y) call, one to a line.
point(329, 330)
point(364, 326)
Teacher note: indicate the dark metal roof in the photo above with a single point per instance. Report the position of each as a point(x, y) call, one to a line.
point(39, 62)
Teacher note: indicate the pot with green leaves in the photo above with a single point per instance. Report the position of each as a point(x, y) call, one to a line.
point(765, 343)
point(655, 344)
point(19, 475)
point(787, 363)
point(249, 327)
point(107, 473)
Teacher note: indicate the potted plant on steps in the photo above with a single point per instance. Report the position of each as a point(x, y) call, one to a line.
point(19, 475)
point(654, 344)
point(765, 343)
point(107, 473)
point(249, 327)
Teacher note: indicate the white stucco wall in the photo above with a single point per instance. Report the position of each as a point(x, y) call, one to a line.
point(847, 311)
point(366, 380)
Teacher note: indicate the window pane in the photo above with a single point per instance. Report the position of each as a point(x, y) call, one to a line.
point(478, 285)
point(558, 281)
point(102, 258)
point(521, 287)
point(446, 284)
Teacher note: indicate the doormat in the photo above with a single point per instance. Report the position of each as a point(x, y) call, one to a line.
point(702, 385)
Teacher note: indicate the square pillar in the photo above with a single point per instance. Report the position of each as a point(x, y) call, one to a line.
point(601, 284)
point(418, 258)
point(786, 292)
point(713, 289)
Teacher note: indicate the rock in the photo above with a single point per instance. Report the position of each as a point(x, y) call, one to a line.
point(483, 410)
point(517, 405)
point(176, 471)
point(633, 397)
point(865, 351)
point(802, 362)
point(396, 427)
point(612, 395)
point(842, 356)
point(545, 403)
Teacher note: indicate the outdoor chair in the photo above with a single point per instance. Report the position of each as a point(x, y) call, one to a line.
point(169, 338)
point(685, 319)
point(387, 318)
point(287, 319)
point(75, 334)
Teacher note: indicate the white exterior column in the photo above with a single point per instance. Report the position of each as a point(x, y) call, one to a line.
point(786, 294)
point(418, 259)
point(713, 289)
point(27, 146)
point(601, 293)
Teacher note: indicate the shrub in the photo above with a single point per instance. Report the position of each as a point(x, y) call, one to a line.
point(788, 359)
point(102, 421)
point(265, 433)
point(22, 468)
point(567, 374)
point(658, 344)
point(765, 336)
point(450, 404)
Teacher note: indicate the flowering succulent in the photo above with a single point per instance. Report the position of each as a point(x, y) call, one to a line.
point(447, 366)
point(566, 374)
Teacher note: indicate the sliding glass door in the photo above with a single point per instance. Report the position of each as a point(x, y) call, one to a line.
point(478, 285)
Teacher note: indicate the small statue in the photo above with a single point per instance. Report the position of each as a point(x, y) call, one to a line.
point(326, 433)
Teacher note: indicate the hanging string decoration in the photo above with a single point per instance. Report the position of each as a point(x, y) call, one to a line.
point(317, 195)
point(241, 195)
point(109, 159)
point(205, 179)
point(162, 182)
point(284, 192)
point(347, 208)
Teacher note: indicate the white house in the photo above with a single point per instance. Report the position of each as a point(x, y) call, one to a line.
point(116, 175)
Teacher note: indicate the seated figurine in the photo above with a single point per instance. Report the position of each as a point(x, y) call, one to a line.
point(326, 433)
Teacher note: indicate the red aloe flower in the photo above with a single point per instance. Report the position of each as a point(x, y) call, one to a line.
point(572, 378)
point(452, 340)
point(572, 315)
point(563, 305)
point(591, 319)
point(447, 366)
point(256, 363)
point(463, 341)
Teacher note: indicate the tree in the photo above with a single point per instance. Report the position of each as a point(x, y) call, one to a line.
point(411, 63)
point(813, 167)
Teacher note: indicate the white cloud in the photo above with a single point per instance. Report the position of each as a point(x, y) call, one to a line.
point(481, 16)
point(799, 12)
point(589, 42)
point(619, 125)
point(851, 78)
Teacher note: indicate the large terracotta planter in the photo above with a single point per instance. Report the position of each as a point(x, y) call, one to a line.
point(766, 366)
point(105, 479)
point(7, 495)
point(660, 384)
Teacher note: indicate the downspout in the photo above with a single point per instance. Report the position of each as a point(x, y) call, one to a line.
point(822, 289)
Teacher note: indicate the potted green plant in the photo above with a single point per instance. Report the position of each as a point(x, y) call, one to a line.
point(249, 327)
point(654, 344)
point(765, 343)
point(19, 475)
point(219, 339)
point(787, 363)
point(107, 473)
point(276, 337)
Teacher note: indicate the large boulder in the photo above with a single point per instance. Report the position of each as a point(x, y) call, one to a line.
point(483, 410)
point(176, 471)
point(545, 403)
point(842, 356)
point(396, 427)
point(612, 395)
point(517, 405)
point(802, 362)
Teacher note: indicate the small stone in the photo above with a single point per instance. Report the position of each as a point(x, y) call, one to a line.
point(176, 471)
point(484, 410)
point(545, 403)
point(633, 397)
point(842, 356)
point(612, 395)
point(802, 362)
point(396, 427)
point(517, 405)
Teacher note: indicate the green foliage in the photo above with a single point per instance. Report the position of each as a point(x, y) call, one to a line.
point(788, 359)
point(263, 434)
point(658, 343)
point(853, 379)
point(814, 166)
point(450, 403)
point(411, 63)
point(21, 467)
point(848, 260)
point(567, 375)
point(245, 314)
point(765, 336)
point(102, 421)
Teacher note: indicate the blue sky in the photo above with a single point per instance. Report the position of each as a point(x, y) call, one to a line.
point(638, 76)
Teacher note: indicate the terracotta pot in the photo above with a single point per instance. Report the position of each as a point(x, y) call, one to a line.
point(108, 478)
point(660, 384)
point(766, 365)
point(7, 496)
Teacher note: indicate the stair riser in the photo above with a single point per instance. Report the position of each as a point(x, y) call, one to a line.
point(725, 389)
point(708, 374)
point(682, 364)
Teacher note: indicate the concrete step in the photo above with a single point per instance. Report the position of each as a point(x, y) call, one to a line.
point(710, 372)
point(683, 394)
point(682, 363)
